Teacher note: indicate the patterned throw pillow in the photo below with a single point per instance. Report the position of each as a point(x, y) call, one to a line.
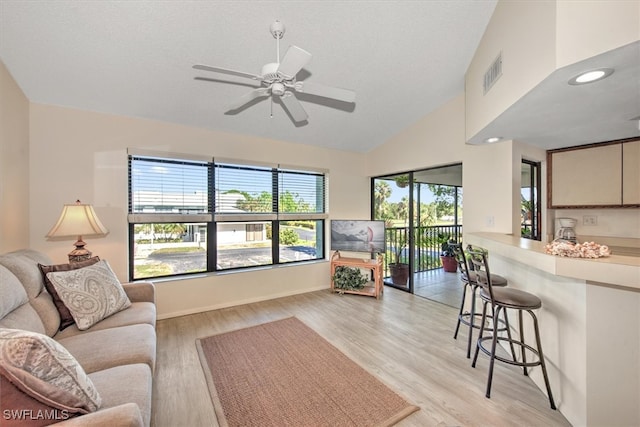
point(90, 293)
point(66, 319)
point(42, 368)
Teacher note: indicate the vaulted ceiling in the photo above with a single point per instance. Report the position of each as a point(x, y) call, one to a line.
point(403, 59)
point(134, 58)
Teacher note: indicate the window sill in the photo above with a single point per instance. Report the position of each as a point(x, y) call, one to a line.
point(228, 272)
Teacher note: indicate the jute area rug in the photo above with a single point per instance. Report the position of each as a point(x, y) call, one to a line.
point(283, 373)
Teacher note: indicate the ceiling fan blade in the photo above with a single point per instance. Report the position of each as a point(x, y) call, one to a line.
point(293, 61)
point(294, 107)
point(248, 97)
point(227, 71)
point(238, 83)
point(344, 95)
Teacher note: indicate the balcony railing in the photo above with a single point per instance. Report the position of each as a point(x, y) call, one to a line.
point(427, 248)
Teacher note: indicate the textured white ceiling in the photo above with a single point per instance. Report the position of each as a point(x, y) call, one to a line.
point(403, 59)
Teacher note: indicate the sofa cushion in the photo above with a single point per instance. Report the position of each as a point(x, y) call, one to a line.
point(24, 317)
point(103, 349)
point(66, 319)
point(24, 265)
point(90, 293)
point(21, 409)
point(12, 291)
point(125, 415)
point(45, 370)
point(137, 379)
point(137, 313)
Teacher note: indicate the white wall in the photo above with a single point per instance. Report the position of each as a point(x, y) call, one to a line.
point(82, 155)
point(14, 164)
point(525, 33)
point(437, 139)
point(617, 23)
point(488, 182)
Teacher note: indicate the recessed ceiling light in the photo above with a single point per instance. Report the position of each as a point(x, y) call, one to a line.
point(493, 139)
point(591, 76)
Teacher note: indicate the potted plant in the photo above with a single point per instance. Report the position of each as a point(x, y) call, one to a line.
point(399, 270)
point(402, 181)
point(448, 258)
point(349, 278)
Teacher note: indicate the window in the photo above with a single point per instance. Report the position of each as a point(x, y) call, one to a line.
point(192, 216)
point(530, 201)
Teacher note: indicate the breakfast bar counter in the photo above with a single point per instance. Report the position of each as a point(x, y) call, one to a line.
point(616, 270)
point(590, 325)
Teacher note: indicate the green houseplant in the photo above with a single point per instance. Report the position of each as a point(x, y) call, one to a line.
point(349, 278)
point(399, 270)
point(447, 257)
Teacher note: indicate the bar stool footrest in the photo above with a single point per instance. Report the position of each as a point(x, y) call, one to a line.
point(511, 361)
point(476, 325)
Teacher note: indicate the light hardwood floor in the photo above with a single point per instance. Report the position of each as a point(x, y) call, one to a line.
point(404, 340)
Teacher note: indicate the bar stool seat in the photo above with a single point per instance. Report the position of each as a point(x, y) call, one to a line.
point(513, 298)
point(501, 299)
point(470, 283)
point(496, 279)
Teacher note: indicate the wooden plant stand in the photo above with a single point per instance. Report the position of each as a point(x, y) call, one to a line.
point(374, 289)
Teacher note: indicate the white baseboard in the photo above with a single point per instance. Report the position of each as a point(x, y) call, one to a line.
point(236, 303)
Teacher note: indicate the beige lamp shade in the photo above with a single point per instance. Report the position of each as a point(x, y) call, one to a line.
point(78, 220)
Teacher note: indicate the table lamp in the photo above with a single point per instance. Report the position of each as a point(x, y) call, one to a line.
point(78, 220)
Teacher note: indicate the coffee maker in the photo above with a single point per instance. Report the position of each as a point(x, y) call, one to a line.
point(566, 231)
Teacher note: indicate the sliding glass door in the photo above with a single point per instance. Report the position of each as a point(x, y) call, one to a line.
point(421, 209)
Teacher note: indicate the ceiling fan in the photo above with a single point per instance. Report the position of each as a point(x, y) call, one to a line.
point(278, 79)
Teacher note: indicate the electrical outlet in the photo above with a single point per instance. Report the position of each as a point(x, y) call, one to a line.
point(589, 220)
point(490, 221)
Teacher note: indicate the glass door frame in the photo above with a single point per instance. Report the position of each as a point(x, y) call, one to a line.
point(412, 220)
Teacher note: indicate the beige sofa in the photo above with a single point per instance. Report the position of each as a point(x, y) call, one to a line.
point(118, 353)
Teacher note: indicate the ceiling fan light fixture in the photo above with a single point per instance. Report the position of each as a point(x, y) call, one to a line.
point(591, 76)
point(277, 89)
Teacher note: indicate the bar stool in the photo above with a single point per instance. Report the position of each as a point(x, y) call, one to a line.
point(470, 283)
point(502, 299)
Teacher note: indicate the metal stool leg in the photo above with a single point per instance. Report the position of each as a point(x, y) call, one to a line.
point(494, 343)
point(542, 364)
point(522, 346)
point(472, 318)
point(464, 293)
point(506, 321)
point(484, 319)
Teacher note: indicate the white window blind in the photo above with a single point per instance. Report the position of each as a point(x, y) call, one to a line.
point(301, 194)
point(243, 193)
point(164, 190)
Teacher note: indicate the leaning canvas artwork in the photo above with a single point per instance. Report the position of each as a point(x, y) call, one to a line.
point(357, 235)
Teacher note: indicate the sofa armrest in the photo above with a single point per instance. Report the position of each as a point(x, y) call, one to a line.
point(140, 291)
point(125, 415)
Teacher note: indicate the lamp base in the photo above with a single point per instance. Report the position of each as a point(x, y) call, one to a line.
point(79, 254)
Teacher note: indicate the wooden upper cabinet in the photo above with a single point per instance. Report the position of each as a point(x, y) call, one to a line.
point(587, 177)
point(631, 173)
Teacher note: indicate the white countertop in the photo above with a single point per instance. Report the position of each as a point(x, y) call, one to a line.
point(617, 270)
